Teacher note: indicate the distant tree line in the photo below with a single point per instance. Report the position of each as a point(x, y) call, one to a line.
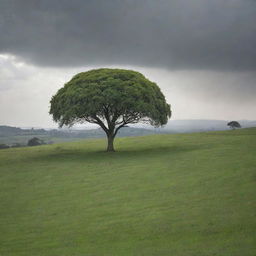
point(31, 142)
point(10, 131)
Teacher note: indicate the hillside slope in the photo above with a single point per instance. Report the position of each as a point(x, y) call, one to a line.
point(182, 195)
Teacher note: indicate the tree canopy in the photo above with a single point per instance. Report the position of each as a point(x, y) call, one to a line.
point(35, 142)
point(234, 124)
point(111, 98)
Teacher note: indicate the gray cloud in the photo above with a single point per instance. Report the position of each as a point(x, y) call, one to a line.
point(201, 52)
point(177, 34)
point(25, 92)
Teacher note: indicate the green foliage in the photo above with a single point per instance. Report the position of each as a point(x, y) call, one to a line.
point(158, 195)
point(35, 142)
point(113, 93)
point(234, 124)
point(111, 98)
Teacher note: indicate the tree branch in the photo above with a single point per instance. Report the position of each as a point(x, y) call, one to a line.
point(106, 115)
point(119, 127)
point(101, 124)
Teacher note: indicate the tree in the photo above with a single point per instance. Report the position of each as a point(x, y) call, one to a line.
point(35, 142)
point(110, 98)
point(234, 124)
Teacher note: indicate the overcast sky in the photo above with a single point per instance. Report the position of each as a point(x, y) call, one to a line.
point(202, 53)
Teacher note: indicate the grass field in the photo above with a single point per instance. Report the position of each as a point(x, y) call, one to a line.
point(180, 195)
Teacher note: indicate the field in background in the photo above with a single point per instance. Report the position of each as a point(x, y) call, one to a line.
point(13, 135)
point(23, 139)
point(182, 195)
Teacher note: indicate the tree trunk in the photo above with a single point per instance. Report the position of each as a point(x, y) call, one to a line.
point(110, 147)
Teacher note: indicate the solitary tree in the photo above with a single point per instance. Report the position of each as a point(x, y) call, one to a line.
point(35, 142)
point(110, 98)
point(234, 125)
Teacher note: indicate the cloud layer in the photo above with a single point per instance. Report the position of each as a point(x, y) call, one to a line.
point(177, 34)
point(201, 52)
point(25, 92)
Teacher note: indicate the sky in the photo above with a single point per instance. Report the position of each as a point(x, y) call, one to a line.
point(201, 53)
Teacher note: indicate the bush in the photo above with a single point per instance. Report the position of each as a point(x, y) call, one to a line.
point(3, 146)
point(35, 142)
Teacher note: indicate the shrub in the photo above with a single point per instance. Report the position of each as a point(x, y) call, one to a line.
point(35, 142)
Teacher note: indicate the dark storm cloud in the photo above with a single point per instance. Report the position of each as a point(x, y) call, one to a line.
point(173, 34)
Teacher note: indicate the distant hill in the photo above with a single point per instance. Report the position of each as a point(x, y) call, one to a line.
point(11, 135)
point(71, 133)
point(181, 126)
point(14, 131)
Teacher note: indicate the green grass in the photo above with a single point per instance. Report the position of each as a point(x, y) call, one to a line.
point(181, 195)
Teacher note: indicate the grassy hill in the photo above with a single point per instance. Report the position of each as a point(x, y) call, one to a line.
point(13, 135)
point(181, 195)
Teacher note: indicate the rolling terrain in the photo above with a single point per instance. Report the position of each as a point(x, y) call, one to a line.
point(13, 135)
point(173, 194)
